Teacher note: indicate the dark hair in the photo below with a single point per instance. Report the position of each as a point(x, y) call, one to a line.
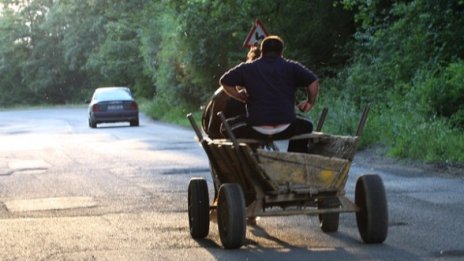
point(272, 44)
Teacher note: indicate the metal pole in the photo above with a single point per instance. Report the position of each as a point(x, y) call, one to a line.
point(228, 130)
point(321, 121)
point(362, 122)
point(195, 127)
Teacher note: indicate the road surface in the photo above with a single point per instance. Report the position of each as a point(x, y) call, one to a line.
point(69, 192)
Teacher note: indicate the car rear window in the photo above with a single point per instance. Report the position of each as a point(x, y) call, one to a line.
point(112, 94)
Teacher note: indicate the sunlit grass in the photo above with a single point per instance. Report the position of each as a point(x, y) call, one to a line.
point(166, 112)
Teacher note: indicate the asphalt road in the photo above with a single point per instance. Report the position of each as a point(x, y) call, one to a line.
point(68, 192)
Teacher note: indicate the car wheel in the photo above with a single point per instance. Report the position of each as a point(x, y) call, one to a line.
point(92, 124)
point(134, 123)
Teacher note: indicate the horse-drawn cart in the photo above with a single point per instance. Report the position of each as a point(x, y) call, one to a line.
point(253, 179)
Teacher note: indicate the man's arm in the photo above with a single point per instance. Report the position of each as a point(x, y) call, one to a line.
point(229, 82)
point(312, 90)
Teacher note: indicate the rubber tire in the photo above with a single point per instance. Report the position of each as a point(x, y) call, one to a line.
point(92, 124)
point(134, 123)
point(231, 215)
point(329, 222)
point(198, 208)
point(372, 219)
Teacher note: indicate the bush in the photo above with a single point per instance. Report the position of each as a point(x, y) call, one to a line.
point(432, 141)
point(399, 124)
point(161, 109)
point(408, 65)
point(443, 93)
point(407, 133)
point(343, 112)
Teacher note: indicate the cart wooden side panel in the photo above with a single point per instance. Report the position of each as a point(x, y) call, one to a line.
point(239, 166)
point(314, 172)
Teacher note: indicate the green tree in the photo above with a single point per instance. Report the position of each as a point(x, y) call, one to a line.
point(39, 67)
point(198, 42)
point(81, 26)
point(118, 59)
point(13, 50)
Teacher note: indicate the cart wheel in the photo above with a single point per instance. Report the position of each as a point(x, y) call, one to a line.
point(231, 215)
point(329, 222)
point(198, 208)
point(372, 217)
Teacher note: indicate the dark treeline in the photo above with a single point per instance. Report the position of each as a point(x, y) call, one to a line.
point(56, 51)
point(404, 58)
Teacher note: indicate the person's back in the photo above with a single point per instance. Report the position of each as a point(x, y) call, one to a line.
point(270, 83)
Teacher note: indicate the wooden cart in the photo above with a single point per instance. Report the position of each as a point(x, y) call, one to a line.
point(253, 179)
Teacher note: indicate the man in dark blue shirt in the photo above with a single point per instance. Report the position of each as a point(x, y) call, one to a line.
point(269, 86)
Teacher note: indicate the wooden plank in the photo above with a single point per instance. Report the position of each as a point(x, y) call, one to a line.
point(224, 171)
point(236, 165)
point(341, 181)
point(343, 147)
point(312, 135)
point(315, 171)
point(231, 169)
point(256, 171)
point(346, 206)
point(241, 172)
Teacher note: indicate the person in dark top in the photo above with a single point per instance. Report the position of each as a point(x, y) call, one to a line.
point(269, 86)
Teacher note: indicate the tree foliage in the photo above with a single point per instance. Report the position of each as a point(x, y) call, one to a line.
point(404, 57)
point(407, 62)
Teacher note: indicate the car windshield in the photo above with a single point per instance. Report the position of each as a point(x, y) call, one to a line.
point(112, 94)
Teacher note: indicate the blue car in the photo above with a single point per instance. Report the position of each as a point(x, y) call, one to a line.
point(113, 104)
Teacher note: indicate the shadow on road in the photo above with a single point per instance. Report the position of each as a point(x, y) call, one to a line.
point(283, 250)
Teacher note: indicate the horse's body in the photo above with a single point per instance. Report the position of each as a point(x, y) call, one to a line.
point(211, 123)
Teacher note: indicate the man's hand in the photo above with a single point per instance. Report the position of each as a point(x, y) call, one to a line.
point(239, 94)
point(242, 93)
point(312, 91)
point(305, 106)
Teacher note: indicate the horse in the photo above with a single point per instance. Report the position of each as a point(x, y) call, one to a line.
point(220, 101)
